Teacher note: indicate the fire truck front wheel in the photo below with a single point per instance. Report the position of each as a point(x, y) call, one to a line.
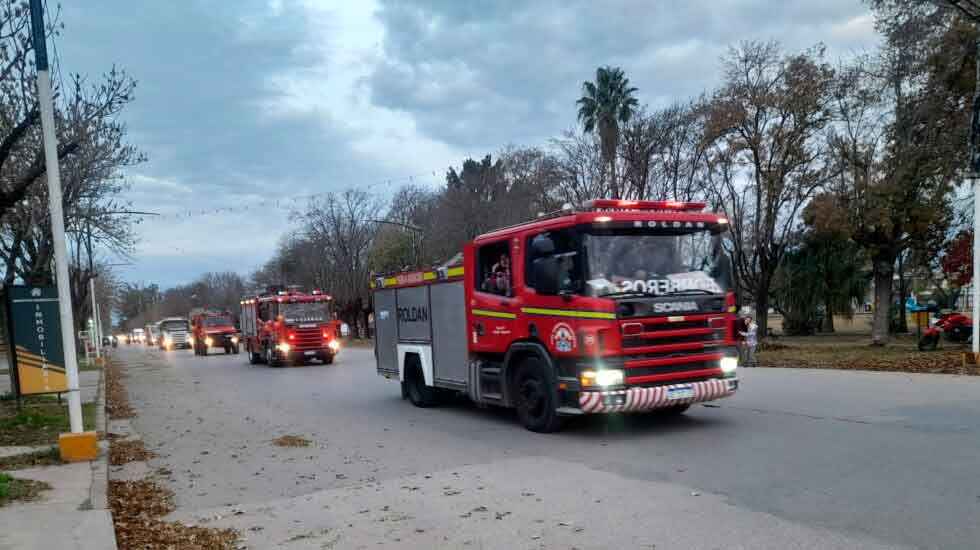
point(535, 397)
point(414, 385)
point(272, 358)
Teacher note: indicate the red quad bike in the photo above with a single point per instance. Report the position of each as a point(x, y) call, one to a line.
point(957, 327)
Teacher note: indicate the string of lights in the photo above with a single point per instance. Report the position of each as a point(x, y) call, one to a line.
point(286, 203)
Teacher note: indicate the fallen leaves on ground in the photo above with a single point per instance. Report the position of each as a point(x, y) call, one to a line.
point(117, 401)
point(48, 457)
point(291, 441)
point(895, 358)
point(124, 452)
point(136, 508)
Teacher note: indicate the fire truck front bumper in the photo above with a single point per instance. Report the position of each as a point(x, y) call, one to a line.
point(659, 397)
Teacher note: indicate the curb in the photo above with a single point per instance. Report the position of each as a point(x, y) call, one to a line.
point(98, 492)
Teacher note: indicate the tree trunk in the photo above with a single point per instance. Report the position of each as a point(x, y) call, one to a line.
point(884, 269)
point(762, 308)
point(828, 316)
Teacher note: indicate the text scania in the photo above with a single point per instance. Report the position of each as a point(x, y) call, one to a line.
point(671, 307)
point(413, 315)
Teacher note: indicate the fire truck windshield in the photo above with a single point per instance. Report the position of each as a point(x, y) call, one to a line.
point(216, 321)
point(636, 261)
point(305, 312)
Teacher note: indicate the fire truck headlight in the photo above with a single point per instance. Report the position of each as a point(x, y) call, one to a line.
point(234, 339)
point(190, 340)
point(602, 378)
point(334, 346)
point(167, 342)
point(283, 347)
point(208, 341)
point(729, 364)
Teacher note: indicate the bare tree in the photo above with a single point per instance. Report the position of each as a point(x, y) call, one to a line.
point(767, 121)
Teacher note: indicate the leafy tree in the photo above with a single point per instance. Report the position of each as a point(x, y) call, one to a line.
point(900, 139)
point(822, 277)
point(957, 259)
point(604, 105)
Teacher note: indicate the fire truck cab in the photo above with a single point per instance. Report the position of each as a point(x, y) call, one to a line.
point(283, 326)
point(618, 306)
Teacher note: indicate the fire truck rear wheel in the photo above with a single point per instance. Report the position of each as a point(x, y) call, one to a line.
point(418, 393)
point(534, 397)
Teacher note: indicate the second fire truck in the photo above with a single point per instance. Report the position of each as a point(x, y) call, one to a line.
point(618, 306)
point(212, 329)
point(286, 326)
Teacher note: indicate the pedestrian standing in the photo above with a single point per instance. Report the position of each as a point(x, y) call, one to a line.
point(750, 340)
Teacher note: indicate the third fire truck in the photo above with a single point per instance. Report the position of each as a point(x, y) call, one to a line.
point(284, 326)
point(618, 306)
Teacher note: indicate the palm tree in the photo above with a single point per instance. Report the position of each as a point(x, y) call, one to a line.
point(604, 105)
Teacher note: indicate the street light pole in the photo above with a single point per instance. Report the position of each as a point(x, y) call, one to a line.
point(46, 105)
point(976, 265)
point(417, 238)
point(93, 332)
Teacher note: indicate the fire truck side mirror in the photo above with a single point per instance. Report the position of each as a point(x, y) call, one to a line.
point(546, 275)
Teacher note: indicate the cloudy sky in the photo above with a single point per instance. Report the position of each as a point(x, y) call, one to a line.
point(254, 102)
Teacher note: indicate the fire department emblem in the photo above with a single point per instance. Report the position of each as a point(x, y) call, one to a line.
point(563, 337)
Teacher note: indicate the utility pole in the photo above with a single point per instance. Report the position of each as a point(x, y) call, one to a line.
point(57, 216)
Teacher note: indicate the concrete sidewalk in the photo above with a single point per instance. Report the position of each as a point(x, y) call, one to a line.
point(74, 513)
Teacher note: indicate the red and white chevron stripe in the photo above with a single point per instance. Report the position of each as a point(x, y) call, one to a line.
point(646, 399)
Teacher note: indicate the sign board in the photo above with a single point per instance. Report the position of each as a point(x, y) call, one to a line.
point(35, 340)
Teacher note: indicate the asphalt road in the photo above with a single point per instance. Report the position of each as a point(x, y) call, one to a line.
point(797, 459)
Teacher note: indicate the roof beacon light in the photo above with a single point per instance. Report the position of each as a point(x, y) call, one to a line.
point(615, 204)
point(316, 292)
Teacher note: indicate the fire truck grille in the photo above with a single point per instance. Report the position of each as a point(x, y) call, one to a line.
point(679, 325)
point(664, 351)
point(643, 342)
point(670, 369)
point(308, 338)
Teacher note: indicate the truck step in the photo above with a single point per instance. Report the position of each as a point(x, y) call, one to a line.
point(492, 397)
point(490, 371)
point(570, 411)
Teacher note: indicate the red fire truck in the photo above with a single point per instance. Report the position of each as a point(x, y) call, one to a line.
point(618, 306)
point(211, 329)
point(287, 326)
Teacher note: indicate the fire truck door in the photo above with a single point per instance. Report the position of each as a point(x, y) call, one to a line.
point(493, 306)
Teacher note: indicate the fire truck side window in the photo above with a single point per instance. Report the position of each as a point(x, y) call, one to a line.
point(493, 270)
point(566, 248)
point(264, 311)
